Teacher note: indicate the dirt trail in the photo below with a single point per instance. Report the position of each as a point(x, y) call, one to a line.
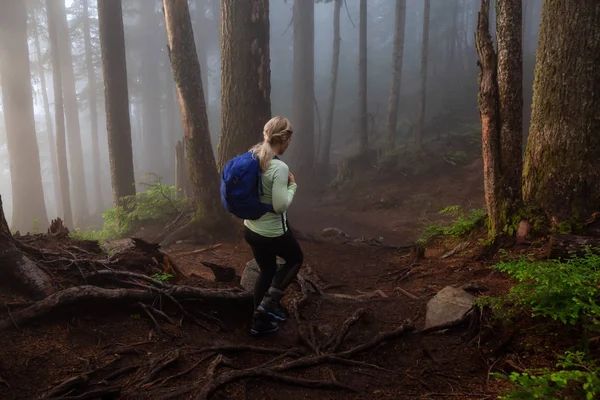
point(442, 366)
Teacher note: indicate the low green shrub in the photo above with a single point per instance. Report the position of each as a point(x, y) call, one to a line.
point(158, 203)
point(463, 223)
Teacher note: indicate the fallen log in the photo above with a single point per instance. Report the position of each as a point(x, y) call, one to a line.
point(79, 294)
point(567, 246)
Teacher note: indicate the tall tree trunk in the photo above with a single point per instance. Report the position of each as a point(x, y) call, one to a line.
point(80, 202)
point(562, 161)
point(394, 100)
point(510, 96)
point(15, 267)
point(423, 89)
point(188, 79)
point(245, 76)
point(49, 128)
point(303, 117)
point(151, 93)
point(15, 74)
point(500, 107)
point(363, 123)
point(92, 101)
point(335, 62)
point(59, 113)
point(116, 98)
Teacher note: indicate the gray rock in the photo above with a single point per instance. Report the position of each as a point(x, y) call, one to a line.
point(449, 304)
point(250, 274)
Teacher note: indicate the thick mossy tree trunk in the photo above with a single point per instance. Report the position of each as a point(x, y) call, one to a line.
point(93, 106)
point(16, 268)
point(303, 92)
point(48, 118)
point(423, 88)
point(562, 161)
point(80, 202)
point(116, 97)
point(398, 55)
point(245, 76)
point(15, 79)
point(335, 62)
point(363, 124)
point(188, 80)
point(59, 115)
point(500, 108)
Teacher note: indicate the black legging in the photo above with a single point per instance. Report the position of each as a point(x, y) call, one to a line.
point(265, 252)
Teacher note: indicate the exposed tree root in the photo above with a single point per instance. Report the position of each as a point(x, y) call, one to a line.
point(274, 371)
point(336, 341)
point(79, 294)
point(92, 394)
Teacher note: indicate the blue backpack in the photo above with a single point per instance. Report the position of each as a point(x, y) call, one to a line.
point(241, 186)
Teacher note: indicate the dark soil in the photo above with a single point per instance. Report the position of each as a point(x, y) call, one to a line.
point(450, 365)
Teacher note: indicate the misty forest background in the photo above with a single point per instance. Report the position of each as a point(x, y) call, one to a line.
point(451, 89)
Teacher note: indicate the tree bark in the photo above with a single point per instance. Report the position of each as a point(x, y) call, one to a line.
point(394, 100)
point(500, 107)
point(245, 76)
point(188, 80)
point(15, 267)
point(303, 92)
point(510, 97)
point(423, 89)
point(151, 93)
point(562, 161)
point(48, 118)
point(363, 124)
point(80, 202)
point(335, 62)
point(116, 97)
point(15, 75)
point(92, 101)
point(59, 114)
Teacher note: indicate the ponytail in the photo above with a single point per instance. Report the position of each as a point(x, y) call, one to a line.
point(276, 131)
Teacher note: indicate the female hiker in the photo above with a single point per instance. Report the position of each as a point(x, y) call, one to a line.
point(270, 236)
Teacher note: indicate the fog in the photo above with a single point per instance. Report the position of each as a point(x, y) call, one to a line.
point(451, 89)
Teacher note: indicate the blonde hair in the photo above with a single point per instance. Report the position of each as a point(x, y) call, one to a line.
point(277, 130)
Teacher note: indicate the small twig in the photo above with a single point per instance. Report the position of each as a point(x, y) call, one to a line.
point(162, 365)
point(407, 294)
point(162, 381)
point(348, 12)
point(149, 314)
point(199, 251)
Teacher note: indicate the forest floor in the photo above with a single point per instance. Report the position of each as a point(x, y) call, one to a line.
point(117, 347)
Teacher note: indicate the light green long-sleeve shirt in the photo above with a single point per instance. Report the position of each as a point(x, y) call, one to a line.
point(278, 192)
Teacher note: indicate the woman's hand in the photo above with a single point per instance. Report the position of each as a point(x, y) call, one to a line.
point(291, 178)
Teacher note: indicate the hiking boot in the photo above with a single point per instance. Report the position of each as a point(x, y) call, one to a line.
point(271, 304)
point(262, 324)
